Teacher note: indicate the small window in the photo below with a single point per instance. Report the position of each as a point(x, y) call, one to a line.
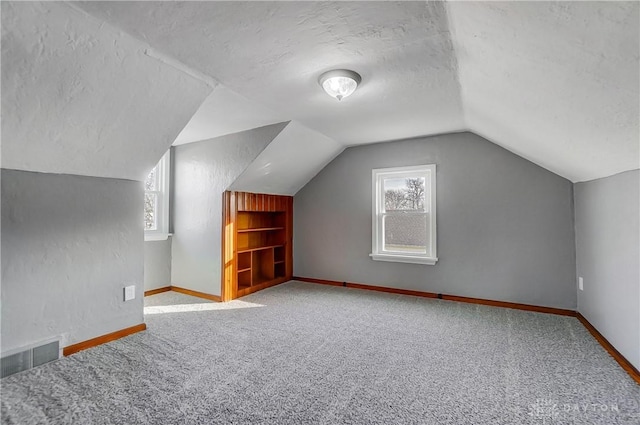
point(156, 201)
point(404, 214)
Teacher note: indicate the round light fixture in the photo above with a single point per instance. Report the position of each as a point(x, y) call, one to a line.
point(339, 83)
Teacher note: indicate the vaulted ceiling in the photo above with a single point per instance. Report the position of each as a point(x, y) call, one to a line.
point(554, 82)
point(80, 97)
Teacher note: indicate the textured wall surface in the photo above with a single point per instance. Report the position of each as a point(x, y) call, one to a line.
point(608, 258)
point(70, 245)
point(157, 264)
point(202, 172)
point(505, 225)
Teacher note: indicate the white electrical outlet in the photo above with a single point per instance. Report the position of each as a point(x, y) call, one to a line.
point(129, 292)
point(581, 284)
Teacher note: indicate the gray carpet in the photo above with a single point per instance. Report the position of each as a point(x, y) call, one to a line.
point(309, 354)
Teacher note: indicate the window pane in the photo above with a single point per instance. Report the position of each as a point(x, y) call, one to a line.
point(404, 194)
point(395, 197)
point(151, 182)
point(405, 233)
point(150, 208)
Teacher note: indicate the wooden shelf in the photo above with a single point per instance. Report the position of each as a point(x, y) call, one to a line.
point(260, 229)
point(242, 291)
point(259, 248)
point(257, 242)
point(260, 279)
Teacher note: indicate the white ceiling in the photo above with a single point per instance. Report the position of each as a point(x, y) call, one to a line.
point(81, 97)
point(555, 82)
point(273, 52)
point(293, 158)
point(225, 112)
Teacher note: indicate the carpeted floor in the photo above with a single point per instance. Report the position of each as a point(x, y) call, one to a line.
point(309, 354)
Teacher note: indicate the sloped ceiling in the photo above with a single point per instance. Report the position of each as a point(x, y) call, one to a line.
point(225, 112)
point(81, 97)
point(293, 158)
point(273, 52)
point(555, 82)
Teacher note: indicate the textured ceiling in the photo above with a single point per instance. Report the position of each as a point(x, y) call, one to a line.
point(273, 52)
point(555, 82)
point(80, 97)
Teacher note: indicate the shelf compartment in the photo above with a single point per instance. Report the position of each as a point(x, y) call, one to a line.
point(279, 269)
point(244, 261)
point(248, 221)
point(278, 254)
point(248, 241)
point(262, 269)
point(244, 279)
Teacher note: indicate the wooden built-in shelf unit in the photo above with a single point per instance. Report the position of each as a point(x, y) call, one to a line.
point(256, 242)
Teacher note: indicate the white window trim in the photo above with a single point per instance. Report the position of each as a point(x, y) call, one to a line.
point(164, 180)
point(378, 204)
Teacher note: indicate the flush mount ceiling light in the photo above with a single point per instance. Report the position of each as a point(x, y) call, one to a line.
point(339, 83)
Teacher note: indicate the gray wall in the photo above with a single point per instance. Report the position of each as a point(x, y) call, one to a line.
point(505, 225)
point(69, 246)
point(157, 264)
point(202, 172)
point(608, 258)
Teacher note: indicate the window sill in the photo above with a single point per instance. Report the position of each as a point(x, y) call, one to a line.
point(398, 258)
point(151, 237)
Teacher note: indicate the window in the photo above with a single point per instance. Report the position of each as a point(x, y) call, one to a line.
point(156, 201)
point(404, 214)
